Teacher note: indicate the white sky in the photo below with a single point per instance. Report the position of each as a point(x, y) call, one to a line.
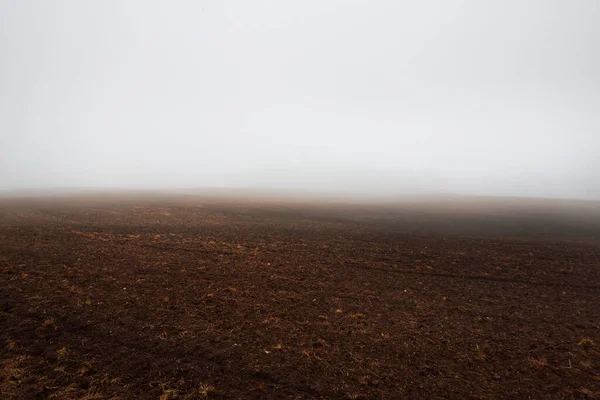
point(473, 97)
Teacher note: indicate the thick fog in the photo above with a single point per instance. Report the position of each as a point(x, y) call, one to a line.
point(470, 97)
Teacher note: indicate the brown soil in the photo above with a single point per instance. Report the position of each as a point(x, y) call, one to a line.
point(192, 299)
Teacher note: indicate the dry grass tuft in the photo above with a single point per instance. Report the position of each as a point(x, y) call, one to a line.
point(205, 390)
point(48, 322)
point(11, 344)
point(87, 367)
point(73, 392)
point(357, 316)
point(538, 362)
point(354, 396)
point(168, 394)
point(75, 290)
point(62, 353)
point(92, 396)
point(68, 392)
point(12, 371)
point(586, 343)
point(201, 392)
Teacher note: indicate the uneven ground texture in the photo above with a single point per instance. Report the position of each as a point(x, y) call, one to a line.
point(191, 299)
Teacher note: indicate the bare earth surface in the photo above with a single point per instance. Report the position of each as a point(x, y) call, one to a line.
point(191, 298)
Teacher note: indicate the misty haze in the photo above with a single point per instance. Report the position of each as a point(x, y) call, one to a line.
point(304, 200)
